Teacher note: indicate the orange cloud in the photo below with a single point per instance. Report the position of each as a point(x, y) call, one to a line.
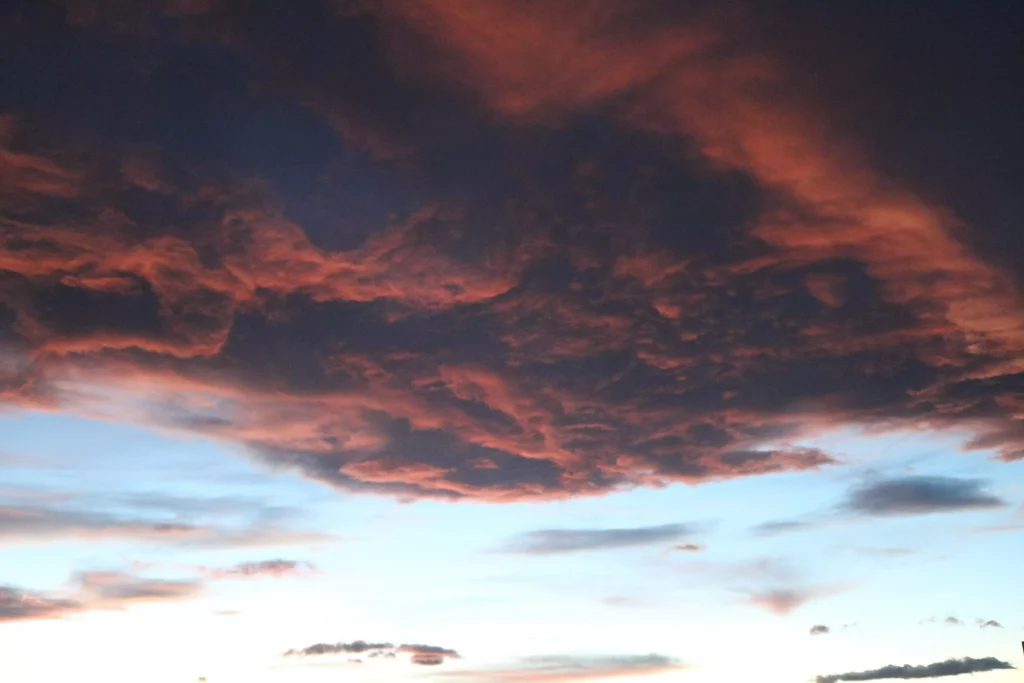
point(551, 321)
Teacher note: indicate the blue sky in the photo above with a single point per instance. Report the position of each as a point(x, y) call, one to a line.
point(456, 574)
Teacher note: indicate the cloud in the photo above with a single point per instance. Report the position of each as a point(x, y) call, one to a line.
point(783, 600)
point(115, 590)
point(163, 520)
point(915, 495)
point(690, 548)
point(555, 541)
point(271, 568)
point(19, 605)
point(950, 667)
point(953, 621)
point(781, 527)
point(989, 623)
point(293, 259)
point(820, 630)
point(422, 655)
point(93, 590)
point(38, 524)
point(558, 668)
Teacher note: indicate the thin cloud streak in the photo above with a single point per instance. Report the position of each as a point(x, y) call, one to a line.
point(567, 668)
point(559, 541)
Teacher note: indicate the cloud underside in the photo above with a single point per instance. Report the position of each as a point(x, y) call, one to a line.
point(950, 667)
point(377, 270)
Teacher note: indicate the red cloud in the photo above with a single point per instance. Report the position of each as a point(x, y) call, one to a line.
point(516, 343)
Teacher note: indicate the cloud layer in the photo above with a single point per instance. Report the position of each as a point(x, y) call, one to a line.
point(434, 250)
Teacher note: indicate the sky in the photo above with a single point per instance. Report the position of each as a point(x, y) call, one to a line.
point(514, 341)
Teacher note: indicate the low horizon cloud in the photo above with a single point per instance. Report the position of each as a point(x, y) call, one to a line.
point(949, 667)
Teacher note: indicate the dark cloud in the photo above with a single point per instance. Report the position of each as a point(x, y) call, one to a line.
point(953, 621)
point(781, 527)
point(423, 655)
point(950, 667)
point(989, 623)
point(558, 668)
point(915, 495)
point(393, 257)
point(554, 541)
point(820, 630)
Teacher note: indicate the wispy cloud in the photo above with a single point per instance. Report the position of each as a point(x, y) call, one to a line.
point(556, 541)
point(265, 568)
point(568, 668)
point(780, 527)
point(820, 630)
point(950, 667)
point(93, 590)
point(165, 521)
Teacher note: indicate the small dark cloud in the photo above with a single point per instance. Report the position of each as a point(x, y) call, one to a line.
point(950, 667)
point(355, 647)
point(917, 495)
point(780, 527)
point(690, 548)
point(952, 621)
point(423, 655)
point(272, 568)
point(820, 630)
point(989, 623)
point(554, 541)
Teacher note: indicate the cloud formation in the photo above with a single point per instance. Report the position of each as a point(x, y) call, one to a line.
point(950, 667)
point(916, 495)
point(272, 568)
point(556, 541)
point(93, 590)
point(427, 257)
point(820, 630)
point(161, 520)
point(422, 655)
